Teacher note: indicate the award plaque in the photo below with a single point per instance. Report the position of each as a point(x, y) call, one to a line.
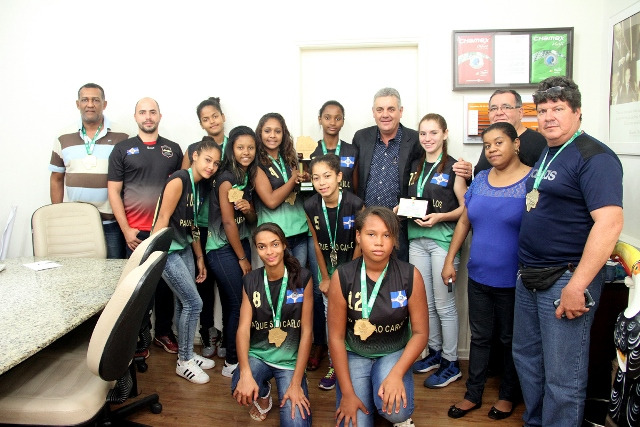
point(305, 145)
point(412, 208)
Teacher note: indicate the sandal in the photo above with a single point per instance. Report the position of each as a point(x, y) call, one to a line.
point(262, 412)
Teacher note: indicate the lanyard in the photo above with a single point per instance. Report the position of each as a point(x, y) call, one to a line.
point(422, 181)
point(244, 184)
point(332, 238)
point(324, 148)
point(367, 305)
point(542, 170)
point(283, 288)
point(89, 145)
point(196, 200)
point(222, 147)
point(281, 166)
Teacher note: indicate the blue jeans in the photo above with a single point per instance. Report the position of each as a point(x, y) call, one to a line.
point(206, 289)
point(115, 240)
point(224, 264)
point(428, 258)
point(298, 246)
point(366, 376)
point(262, 374)
point(319, 319)
point(552, 355)
point(179, 273)
point(488, 307)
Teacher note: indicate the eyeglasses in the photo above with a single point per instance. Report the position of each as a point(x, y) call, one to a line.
point(504, 108)
point(552, 92)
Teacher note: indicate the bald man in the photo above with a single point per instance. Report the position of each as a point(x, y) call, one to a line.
point(138, 169)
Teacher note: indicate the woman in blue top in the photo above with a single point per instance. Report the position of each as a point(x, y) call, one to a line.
point(494, 205)
point(178, 207)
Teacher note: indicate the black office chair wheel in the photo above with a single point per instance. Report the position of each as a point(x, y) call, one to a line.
point(142, 366)
point(156, 408)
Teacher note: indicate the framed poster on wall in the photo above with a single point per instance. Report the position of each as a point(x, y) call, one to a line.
point(510, 58)
point(624, 91)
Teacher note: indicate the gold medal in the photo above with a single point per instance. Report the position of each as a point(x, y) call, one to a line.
point(235, 195)
point(532, 199)
point(363, 328)
point(291, 198)
point(277, 336)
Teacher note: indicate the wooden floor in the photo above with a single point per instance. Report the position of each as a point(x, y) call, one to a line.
point(187, 404)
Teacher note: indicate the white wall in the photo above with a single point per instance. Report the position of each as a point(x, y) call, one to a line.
point(248, 54)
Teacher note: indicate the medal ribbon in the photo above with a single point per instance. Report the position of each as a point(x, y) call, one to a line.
point(89, 145)
point(324, 148)
point(542, 170)
point(332, 238)
point(367, 304)
point(283, 291)
point(244, 184)
point(422, 181)
point(196, 200)
point(222, 147)
point(281, 166)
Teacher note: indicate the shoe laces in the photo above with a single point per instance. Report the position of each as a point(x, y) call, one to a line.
point(331, 374)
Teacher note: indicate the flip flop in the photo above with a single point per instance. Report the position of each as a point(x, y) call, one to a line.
point(262, 411)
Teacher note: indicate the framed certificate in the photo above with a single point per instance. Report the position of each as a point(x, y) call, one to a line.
point(413, 208)
point(519, 58)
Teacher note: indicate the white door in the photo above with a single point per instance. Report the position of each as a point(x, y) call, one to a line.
point(352, 76)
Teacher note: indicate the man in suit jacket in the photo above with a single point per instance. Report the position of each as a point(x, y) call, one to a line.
point(385, 153)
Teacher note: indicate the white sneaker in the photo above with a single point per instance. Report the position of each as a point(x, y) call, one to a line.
point(228, 369)
point(406, 423)
point(204, 363)
point(191, 371)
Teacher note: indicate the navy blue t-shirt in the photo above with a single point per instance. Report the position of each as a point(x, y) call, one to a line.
point(586, 175)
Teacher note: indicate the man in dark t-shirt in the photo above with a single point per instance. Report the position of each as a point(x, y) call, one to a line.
point(505, 105)
point(572, 221)
point(138, 170)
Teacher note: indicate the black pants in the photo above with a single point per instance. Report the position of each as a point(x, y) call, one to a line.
point(489, 305)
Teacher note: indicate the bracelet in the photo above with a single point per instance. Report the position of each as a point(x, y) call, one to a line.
point(243, 258)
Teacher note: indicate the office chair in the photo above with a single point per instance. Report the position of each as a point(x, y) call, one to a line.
point(158, 241)
point(71, 229)
point(64, 388)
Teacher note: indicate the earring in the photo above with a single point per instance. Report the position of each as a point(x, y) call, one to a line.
point(517, 151)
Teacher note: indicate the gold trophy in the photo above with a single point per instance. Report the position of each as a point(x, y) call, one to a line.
point(305, 145)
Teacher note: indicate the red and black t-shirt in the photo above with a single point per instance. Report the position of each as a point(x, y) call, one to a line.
point(143, 169)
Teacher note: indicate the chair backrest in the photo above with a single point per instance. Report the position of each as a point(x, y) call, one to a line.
point(71, 229)
point(158, 241)
point(113, 342)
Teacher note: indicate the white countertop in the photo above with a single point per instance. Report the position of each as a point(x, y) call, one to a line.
point(38, 307)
